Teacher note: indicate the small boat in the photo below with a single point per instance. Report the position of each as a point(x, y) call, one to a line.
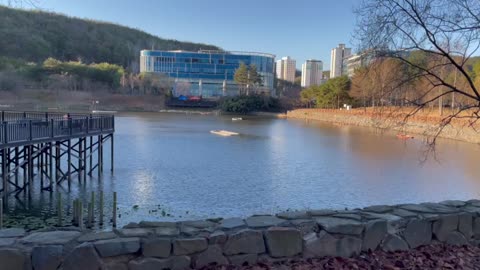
point(225, 133)
point(404, 136)
point(237, 119)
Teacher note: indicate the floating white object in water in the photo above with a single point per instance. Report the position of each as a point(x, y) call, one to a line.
point(223, 132)
point(237, 119)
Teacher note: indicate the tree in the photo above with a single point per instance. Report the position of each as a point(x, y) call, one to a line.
point(433, 39)
point(331, 94)
point(247, 77)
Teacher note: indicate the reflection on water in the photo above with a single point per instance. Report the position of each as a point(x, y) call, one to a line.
point(172, 167)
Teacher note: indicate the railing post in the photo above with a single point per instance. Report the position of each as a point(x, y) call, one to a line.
point(30, 130)
point(88, 124)
point(5, 133)
point(70, 125)
point(3, 116)
point(51, 128)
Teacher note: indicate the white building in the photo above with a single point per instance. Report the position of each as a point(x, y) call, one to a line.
point(285, 69)
point(338, 56)
point(312, 73)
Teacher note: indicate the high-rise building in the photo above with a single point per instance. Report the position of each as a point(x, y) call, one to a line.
point(312, 73)
point(285, 69)
point(339, 54)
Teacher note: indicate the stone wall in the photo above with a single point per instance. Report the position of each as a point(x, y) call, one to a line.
point(236, 241)
point(415, 125)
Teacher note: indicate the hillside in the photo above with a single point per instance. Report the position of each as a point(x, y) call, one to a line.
point(36, 35)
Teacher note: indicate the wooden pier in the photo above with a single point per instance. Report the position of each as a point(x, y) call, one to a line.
point(50, 149)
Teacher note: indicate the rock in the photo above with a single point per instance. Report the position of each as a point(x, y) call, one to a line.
point(131, 225)
point(349, 246)
point(116, 247)
point(180, 262)
point(283, 242)
point(155, 224)
point(321, 212)
point(340, 225)
point(167, 231)
point(375, 232)
point(356, 217)
point(456, 238)
point(189, 246)
point(189, 231)
point(444, 225)
point(4, 242)
point(378, 208)
point(50, 238)
point(454, 203)
point(199, 224)
point(95, 236)
point(264, 221)
point(135, 232)
point(12, 259)
point(476, 228)
point(115, 266)
point(82, 257)
point(441, 208)
point(293, 215)
point(12, 232)
point(159, 248)
point(474, 202)
point(404, 213)
point(149, 264)
point(47, 257)
point(417, 208)
point(213, 255)
point(245, 241)
point(217, 238)
point(232, 223)
point(465, 225)
point(319, 246)
point(472, 209)
point(418, 232)
point(394, 243)
point(305, 225)
point(387, 217)
point(243, 259)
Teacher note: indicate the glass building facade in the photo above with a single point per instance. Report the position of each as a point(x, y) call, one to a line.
point(207, 73)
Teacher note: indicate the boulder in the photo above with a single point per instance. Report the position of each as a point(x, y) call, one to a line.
point(232, 223)
point(321, 212)
point(217, 238)
point(180, 262)
point(189, 246)
point(135, 232)
point(375, 232)
point(50, 238)
point(167, 231)
point(319, 245)
point(12, 259)
point(394, 243)
point(242, 259)
point(246, 241)
point(305, 225)
point(12, 232)
point(283, 242)
point(465, 225)
point(293, 215)
point(264, 221)
point(5, 242)
point(199, 224)
point(349, 246)
point(149, 264)
point(378, 208)
point(444, 225)
point(82, 257)
point(476, 228)
point(454, 203)
point(159, 248)
point(418, 232)
point(47, 257)
point(340, 225)
point(116, 247)
point(456, 239)
point(213, 255)
point(95, 236)
point(155, 224)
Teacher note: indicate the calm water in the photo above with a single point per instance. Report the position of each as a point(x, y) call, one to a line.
point(172, 167)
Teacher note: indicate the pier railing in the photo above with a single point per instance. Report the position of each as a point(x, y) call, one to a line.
point(25, 127)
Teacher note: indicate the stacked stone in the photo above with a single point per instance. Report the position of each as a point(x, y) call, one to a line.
point(288, 235)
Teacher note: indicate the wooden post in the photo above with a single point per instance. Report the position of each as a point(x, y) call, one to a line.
point(69, 162)
point(50, 165)
point(114, 218)
point(89, 215)
point(92, 201)
point(4, 174)
point(74, 213)
point(111, 152)
point(80, 159)
point(91, 155)
point(101, 208)
point(60, 210)
point(1, 214)
point(100, 154)
point(80, 214)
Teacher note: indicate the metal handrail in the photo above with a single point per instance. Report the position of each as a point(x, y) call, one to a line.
point(35, 127)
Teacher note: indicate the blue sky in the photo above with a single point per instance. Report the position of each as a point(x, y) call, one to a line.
point(302, 29)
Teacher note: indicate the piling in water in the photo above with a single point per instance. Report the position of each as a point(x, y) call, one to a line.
point(101, 208)
point(92, 202)
point(74, 213)
point(60, 210)
point(89, 215)
point(80, 214)
point(114, 218)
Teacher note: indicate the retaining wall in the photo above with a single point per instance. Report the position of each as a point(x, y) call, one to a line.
point(427, 126)
point(194, 244)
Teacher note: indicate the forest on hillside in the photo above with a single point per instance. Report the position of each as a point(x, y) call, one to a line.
point(34, 36)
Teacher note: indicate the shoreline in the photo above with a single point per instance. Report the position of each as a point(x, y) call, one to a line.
point(286, 236)
point(427, 128)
